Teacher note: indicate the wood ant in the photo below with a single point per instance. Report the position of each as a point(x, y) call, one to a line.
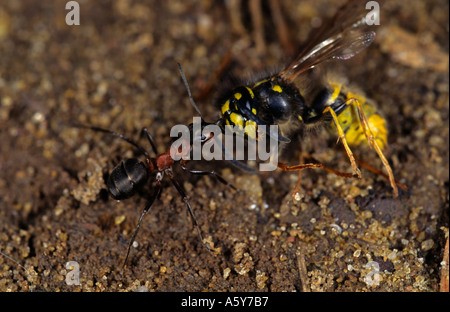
point(131, 174)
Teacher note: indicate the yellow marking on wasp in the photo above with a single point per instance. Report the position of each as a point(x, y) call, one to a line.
point(377, 125)
point(226, 107)
point(372, 127)
point(355, 132)
point(260, 82)
point(358, 98)
point(251, 92)
point(335, 94)
point(237, 96)
point(250, 129)
point(254, 111)
point(343, 139)
point(277, 88)
point(237, 120)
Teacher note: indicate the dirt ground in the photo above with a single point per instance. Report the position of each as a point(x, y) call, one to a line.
point(117, 70)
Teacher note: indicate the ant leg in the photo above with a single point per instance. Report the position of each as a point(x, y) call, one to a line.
point(120, 136)
point(150, 139)
point(186, 200)
point(344, 141)
point(211, 173)
point(243, 166)
point(146, 209)
point(229, 157)
point(372, 141)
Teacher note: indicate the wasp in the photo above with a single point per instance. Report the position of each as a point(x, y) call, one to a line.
point(277, 100)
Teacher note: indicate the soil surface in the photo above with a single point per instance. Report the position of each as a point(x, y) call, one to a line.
point(117, 70)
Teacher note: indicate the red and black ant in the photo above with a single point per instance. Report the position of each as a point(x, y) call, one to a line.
point(131, 174)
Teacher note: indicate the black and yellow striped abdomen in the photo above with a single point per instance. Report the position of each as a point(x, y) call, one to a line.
point(344, 104)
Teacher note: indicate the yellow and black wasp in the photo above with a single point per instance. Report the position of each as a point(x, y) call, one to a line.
point(276, 100)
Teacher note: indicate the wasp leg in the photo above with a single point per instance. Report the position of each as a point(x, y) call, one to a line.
point(343, 140)
point(313, 166)
point(300, 167)
point(318, 166)
point(285, 167)
point(372, 142)
point(379, 172)
point(146, 209)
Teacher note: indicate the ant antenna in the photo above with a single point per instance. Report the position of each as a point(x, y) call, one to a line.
point(191, 99)
point(122, 137)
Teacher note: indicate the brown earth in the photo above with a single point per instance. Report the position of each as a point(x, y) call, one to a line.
point(117, 70)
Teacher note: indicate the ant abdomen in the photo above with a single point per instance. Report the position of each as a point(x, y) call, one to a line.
point(126, 177)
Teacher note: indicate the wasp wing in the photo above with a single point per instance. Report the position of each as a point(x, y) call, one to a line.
point(342, 37)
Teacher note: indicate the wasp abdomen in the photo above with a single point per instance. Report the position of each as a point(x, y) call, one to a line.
point(126, 177)
point(346, 105)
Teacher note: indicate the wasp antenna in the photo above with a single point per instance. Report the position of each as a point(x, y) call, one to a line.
point(191, 99)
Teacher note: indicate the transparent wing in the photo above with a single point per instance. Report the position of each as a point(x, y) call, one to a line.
point(342, 37)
